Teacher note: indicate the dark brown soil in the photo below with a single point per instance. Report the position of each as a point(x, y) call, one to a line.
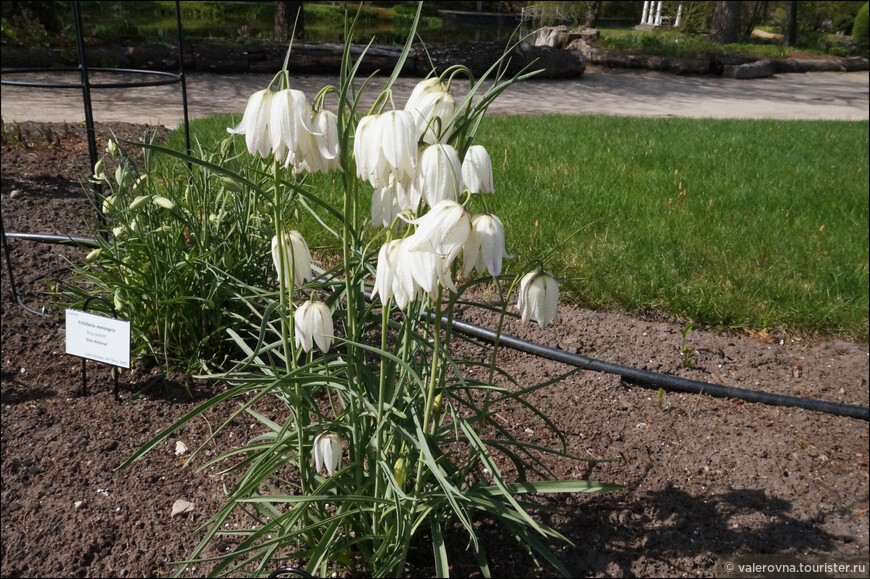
point(705, 478)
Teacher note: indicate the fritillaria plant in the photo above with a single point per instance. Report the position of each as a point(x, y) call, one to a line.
point(360, 353)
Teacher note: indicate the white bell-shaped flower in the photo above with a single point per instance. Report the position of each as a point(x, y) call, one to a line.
point(325, 125)
point(386, 145)
point(399, 146)
point(297, 265)
point(306, 157)
point(443, 230)
point(255, 123)
point(439, 175)
point(313, 326)
point(538, 298)
point(327, 452)
point(477, 170)
point(289, 122)
point(385, 206)
point(484, 249)
point(417, 272)
point(386, 270)
point(366, 146)
point(388, 202)
point(433, 107)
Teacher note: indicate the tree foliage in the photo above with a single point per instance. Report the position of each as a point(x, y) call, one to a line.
point(861, 25)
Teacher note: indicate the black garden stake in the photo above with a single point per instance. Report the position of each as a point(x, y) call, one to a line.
point(84, 389)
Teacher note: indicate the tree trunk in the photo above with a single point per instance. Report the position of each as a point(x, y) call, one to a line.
point(754, 19)
point(726, 23)
point(789, 31)
point(593, 11)
point(285, 15)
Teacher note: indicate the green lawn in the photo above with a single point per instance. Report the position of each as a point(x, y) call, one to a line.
point(677, 44)
point(756, 224)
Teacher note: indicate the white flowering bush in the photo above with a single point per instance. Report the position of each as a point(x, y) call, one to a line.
point(384, 434)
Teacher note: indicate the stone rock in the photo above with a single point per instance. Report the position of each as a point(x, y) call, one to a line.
point(555, 63)
point(581, 45)
point(180, 507)
point(479, 57)
point(685, 66)
point(219, 57)
point(109, 57)
point(756, 33)
point(552, 36)
point(855, 63)
point(586, 33)
point(153, 57)
point(758, 69)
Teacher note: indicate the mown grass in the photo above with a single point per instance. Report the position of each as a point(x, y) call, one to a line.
point(676, 44)
point(728, 223)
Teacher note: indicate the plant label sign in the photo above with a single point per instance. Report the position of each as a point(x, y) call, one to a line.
point(98, 338)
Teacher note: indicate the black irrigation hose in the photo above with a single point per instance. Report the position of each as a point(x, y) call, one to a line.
point(49, 238)
point(663, 380)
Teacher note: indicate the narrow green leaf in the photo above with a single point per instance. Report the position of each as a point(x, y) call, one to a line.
point(442, 566)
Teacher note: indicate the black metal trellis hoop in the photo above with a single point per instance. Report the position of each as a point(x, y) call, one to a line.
point(165, 78)
point(171, 78)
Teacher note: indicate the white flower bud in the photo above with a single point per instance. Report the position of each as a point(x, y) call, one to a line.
point(327, 452)
point(298, 259)
point(477, 170)
point(313, 324)
point(538, 298)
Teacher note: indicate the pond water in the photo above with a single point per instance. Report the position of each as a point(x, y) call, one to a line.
point(156, 22)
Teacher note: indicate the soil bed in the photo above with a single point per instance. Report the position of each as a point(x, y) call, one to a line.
point(705, 479)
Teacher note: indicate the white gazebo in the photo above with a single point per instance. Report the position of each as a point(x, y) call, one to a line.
point(652, 14)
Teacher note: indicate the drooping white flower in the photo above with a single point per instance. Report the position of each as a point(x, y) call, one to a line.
point(399, 143)
point(439, 175)
point(365, 146)
point(418, 272)
point(385, 145)
point(327, 452)
point(297, 266)
point(386, 270)
point(432, 105)
point(538, 298)
point(306, 157)
point(313, 324)
point(443, 230)
point(385, 206)
point(325, 125)
point(477, 170)
point(484, 248)
point(255, 123)
point(405, 275)
point(388, 202)
point(289, 120)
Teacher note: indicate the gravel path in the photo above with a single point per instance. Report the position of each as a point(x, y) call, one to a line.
point(812, 96)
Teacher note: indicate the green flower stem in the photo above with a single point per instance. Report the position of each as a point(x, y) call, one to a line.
point(284, 286)
point(433, 380)
point(495, 344)
point(380, 452)
point(357, 448)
